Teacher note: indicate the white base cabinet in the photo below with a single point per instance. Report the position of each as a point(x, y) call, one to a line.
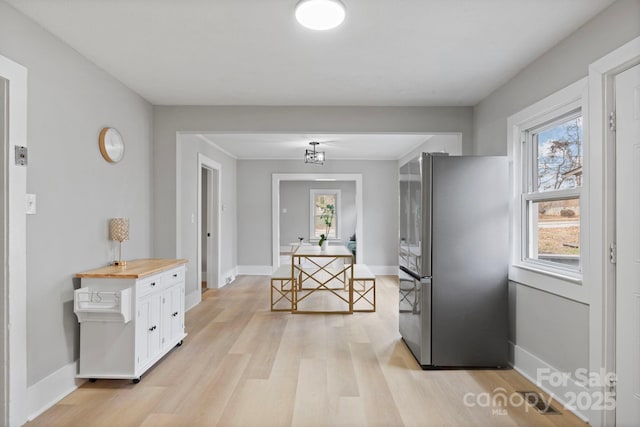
point(112, 346)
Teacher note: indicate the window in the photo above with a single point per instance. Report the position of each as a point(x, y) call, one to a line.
point(324, 209)
point(551, 193)
point(547, 149)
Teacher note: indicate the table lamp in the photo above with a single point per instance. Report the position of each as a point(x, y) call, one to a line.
point(119, 231)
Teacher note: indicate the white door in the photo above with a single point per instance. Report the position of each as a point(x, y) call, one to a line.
point(627, 92)
point(214, 231)
point(209, 231)
point(3, 337)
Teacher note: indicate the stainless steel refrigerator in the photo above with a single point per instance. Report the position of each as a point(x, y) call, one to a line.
point(454, 259)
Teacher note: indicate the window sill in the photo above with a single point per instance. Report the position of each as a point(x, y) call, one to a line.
point(552, 282)
point(558, 273)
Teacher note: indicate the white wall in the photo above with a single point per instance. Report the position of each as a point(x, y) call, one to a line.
point(187, 208)
point(564, 64)
point(168, 121)
point(548, 330)
point(295, 198)
point(450, 144)
point(380, 197)
point(69, 101)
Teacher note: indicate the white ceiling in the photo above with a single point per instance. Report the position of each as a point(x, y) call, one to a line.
point(336, 146)
point(252, 52)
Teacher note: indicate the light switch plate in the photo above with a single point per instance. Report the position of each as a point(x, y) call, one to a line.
point(31, 204)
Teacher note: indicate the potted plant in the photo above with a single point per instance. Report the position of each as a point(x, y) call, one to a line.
point(328, 212)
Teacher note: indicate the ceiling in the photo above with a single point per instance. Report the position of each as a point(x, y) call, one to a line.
point(252, 52)
point(336, 146)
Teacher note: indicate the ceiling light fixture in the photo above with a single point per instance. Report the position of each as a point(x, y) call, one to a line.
point(320, 14)
point(313, 156)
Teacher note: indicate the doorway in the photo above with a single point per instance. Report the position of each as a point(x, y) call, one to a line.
point(3, 253)
point(626, 252)
point(614, 109)
point(14, 297)
point(275, 204)
point(208, 223)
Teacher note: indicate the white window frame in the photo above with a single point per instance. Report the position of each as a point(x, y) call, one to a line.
point(336, 220)
point(539, 274)
point(530, 195)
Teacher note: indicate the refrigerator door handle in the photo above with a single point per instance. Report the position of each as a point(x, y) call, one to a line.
point(410, 273)
point(427, 213)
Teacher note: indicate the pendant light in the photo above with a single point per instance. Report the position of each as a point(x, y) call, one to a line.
point(312, 156)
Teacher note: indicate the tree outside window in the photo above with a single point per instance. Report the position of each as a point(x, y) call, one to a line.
point(324, 214)
point(551, 200)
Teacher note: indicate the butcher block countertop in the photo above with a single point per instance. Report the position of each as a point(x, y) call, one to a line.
point(135, 269)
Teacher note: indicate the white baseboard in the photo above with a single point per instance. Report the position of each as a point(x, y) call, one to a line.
point(50, 390)
point(528, 365)
point(255, 270)
point(192, 299)
point(228, 277)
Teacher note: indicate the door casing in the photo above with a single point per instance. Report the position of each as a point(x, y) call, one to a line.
point(601, 283)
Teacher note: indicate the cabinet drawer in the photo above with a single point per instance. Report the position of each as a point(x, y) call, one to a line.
point(149, 285)
point(173, 277)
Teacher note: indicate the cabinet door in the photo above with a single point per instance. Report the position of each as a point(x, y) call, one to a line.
point(148, 330)
point(172, 315)
point(177, 312)
point(165, 313)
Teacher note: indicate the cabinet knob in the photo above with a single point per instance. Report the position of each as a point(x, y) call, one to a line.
point(175, 314)
point(153, 283)
point(153, 328)
point(175, 275)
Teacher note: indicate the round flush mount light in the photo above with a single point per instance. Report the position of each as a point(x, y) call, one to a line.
point(320, 14)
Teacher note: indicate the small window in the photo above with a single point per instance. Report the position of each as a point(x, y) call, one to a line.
point(324, 209)
point(552, 161)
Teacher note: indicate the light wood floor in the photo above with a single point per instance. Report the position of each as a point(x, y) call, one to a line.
point(242, 365)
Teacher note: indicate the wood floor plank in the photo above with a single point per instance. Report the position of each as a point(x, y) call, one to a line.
point(243, 365)
point(261, 338)
point(259, 402)
point(311, 406)
point(379, 405)
point(341, 376)
point(207, 405)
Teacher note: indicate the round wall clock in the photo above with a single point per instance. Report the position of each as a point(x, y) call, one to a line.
point(111, 145)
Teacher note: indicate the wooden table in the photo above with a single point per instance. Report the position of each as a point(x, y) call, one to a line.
point(317, 270)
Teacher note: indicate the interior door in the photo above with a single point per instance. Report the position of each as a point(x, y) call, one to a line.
point(3, 336)
point(627, 92)
point(212, 227)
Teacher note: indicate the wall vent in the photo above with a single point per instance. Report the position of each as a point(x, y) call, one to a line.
point(542, 405)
